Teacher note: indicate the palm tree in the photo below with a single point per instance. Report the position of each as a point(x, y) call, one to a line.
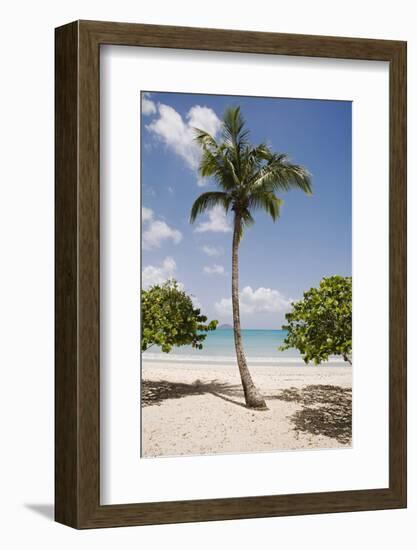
point(248, 178)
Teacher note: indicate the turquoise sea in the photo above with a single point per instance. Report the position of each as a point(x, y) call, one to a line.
point(256, 343)
point(261, 346)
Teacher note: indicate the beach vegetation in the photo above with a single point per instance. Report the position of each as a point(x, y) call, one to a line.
point(320, 325)
point(169, 318)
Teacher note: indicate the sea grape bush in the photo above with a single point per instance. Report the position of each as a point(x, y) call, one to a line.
point(169, 318)
point(320, 325)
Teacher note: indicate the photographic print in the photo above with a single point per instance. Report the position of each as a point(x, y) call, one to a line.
point(246, 284)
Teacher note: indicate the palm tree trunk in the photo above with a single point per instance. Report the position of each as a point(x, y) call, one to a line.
point(253, 398)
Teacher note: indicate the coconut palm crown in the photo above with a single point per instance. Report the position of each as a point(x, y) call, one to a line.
point(248, 178)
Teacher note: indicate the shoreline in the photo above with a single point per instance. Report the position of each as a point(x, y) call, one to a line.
point(188, 410)
point(179, 360)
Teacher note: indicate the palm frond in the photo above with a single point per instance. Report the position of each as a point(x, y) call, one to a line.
point(280, 174)
point(219, 166)
point(253, 158)
point(232, 170)
point(265, 200)
point(208, 200)
point(234, 127)
point(209, 164)
point(248, 177)
point(260, 152)
point(205, 139)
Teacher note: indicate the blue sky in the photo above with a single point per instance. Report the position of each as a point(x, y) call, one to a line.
point(278, 261)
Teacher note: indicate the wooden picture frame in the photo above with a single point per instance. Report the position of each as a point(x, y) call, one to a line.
point(77, 374)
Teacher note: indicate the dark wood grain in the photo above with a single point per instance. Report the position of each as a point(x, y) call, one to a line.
point(66, 238)
point(398, 273)
point(78, 285)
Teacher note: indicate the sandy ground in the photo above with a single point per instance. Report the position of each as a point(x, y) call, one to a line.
point(199, 409)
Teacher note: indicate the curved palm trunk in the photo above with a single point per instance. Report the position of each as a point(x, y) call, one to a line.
point(252, 396)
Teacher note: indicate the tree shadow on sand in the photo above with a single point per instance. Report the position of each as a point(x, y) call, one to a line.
point(325, 409)
point(154, 392)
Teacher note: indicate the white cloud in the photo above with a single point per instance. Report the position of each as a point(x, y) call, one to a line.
point(255, 301)
point(147, 214)
point(148, 106)
point(157, 231)
point(177, 133)
point(212, 250)
point(214, 269)
point(217, 221)
point(156, 275)
point(204, 118)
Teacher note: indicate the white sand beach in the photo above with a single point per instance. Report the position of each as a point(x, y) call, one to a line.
point(196, 408)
